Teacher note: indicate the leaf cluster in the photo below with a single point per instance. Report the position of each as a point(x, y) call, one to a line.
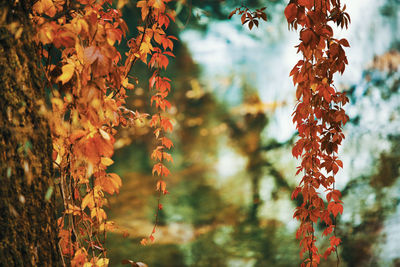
point(248, 16)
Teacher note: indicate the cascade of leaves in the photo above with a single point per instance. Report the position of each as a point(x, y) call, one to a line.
point(158, 13)
point(88, 84)
point(319, 118)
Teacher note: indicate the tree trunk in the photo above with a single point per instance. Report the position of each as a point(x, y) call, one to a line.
point(28, 230)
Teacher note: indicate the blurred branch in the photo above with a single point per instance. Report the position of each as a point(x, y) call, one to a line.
point(275, 145)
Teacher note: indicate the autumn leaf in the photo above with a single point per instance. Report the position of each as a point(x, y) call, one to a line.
point(167, 157)
point(166, 124)
point(106, 161)
point(232, 13)
point(144, 8)
point(156, 155)
point(110, 183)
point(335, 241)
point(116, 181)
point(88, 201)
point(157, 4)
point(67, 73)
point(145, 48)
point(103, 262)
point(80, 257)
point(335, 208)
point(291, 12)
point(344, 42)
point(161, 185)
point(91, 53)
point(45, 6)
point(306, 3)
point(166, 142)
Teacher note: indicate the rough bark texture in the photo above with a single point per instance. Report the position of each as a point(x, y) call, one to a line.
point(28, 232)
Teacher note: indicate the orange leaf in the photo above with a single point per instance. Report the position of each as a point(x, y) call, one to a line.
point(167, 157)
point(91, 53)
point(145, 10)
point(166, 142)
point(67, 73)
point(166, 124)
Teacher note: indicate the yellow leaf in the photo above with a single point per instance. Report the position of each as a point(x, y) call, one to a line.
point(79, 51)
point(102, 262)
point(67, 72)
point(146, 48)
point(106, 161)
point(83, 25)
point(125, 83)
point(88, 201)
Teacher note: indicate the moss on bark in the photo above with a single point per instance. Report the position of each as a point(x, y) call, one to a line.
point(28, 232)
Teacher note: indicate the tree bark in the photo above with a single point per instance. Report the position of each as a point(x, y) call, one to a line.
point(28, 230)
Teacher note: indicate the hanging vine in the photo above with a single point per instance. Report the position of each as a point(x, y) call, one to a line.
point(88, 81)
point(160, 87)
point(319, 117)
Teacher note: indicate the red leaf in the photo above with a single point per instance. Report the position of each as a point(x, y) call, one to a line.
point(344, 42)
point(251, 23)
point(243, 18)
point(335, 208)
point(306, 3)
point(291, 12)
point(296, 192)
point(232, 13)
